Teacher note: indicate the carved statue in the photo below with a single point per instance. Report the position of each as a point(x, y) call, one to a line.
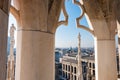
point(12, 30)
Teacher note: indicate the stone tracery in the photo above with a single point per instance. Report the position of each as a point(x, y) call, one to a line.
point(65, 22)
point(81, 16)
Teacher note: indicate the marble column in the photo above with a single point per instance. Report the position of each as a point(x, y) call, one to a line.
point(35, 39)
point(105, 59)
point(35, 55)
point(3, 37)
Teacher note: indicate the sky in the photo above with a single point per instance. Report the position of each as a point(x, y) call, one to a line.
point(67, 36)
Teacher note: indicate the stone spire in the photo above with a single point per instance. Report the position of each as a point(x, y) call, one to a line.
point(11, 60)
point(12, 41)
point(79, 73)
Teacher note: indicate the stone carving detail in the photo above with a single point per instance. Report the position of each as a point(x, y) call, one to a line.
point(79, 73)
point(12, 31)
point(65, 22)
point(11, 58)
point(81, 16)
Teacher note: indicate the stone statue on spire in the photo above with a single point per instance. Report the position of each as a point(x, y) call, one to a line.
point(12, 32)
point(79, 73)
point(11, 58)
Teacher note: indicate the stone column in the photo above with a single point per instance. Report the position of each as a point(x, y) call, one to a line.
point(3, 37)
point(35, 55)
point(105, 59)
point(35, 39)
point(104, 31)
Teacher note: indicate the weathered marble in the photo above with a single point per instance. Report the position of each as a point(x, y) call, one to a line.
point(101, 17)
point(105, 60)
point(35, 39)
point(37, 23)
point(35, 56)
point(3, 43)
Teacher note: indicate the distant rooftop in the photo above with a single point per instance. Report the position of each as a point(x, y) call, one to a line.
point(72, 58)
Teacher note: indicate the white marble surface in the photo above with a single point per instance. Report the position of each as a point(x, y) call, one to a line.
point(105, 60)
point(35, 56)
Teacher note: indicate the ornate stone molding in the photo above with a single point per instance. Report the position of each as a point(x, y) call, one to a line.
point(81, 16)
point(4, 5)
point(14, 12)
point(65, 22)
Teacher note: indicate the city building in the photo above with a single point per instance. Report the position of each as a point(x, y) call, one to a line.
point(76, 66)
point(88, 67)
point(58, 65)
point(70, 67)
point(58, 71)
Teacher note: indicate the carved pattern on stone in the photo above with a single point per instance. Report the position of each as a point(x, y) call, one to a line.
point(79, 73)
point(15, 12)
point(81, 16)
point(65, 22)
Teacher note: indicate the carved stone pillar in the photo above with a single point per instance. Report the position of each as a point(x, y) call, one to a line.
point(105, 60)
point(35, 56)
point(103, 23)
point(35, 39)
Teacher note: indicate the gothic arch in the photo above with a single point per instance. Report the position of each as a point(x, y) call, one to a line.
point(65, 22)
